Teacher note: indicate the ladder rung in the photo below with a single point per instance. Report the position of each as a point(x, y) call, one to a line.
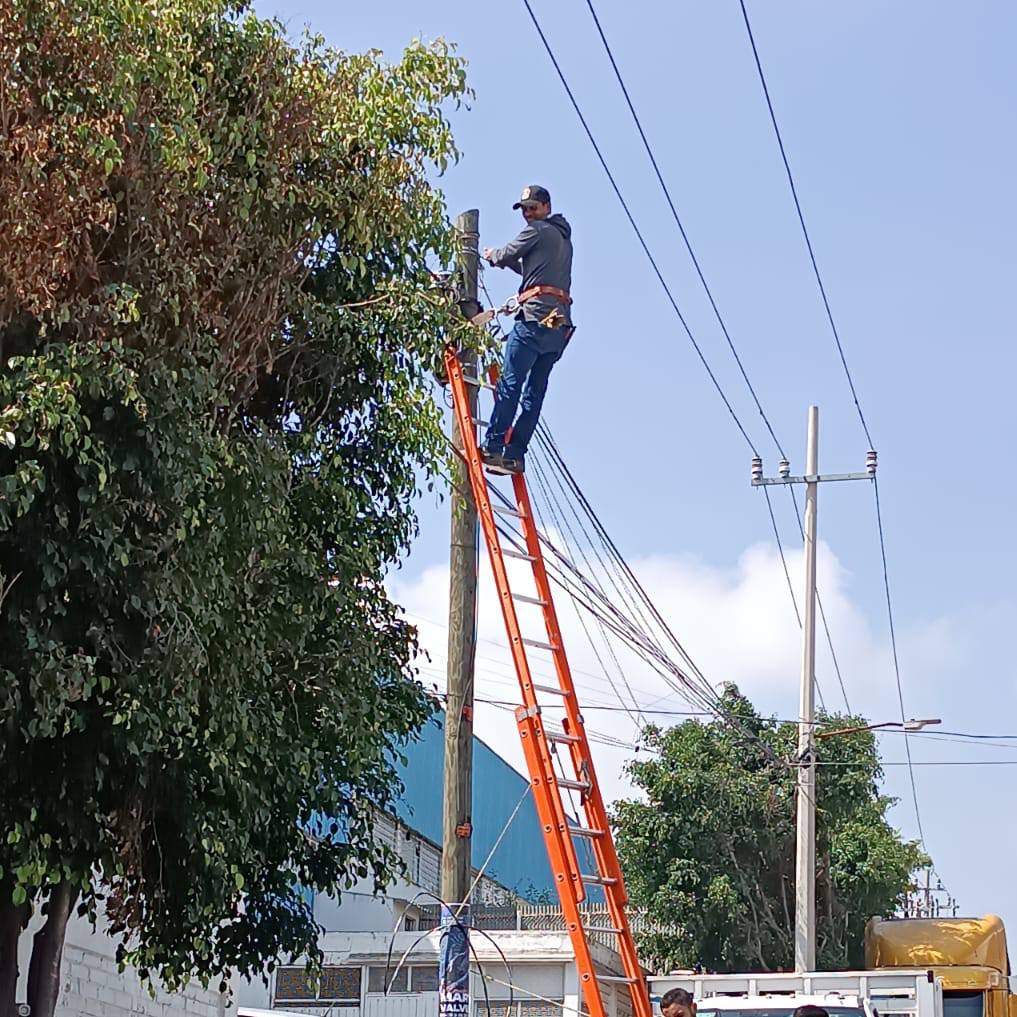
point(550, 688)
point(614, 978)
point(503, 511)
point(574, 785)
point(584, 831)
point(602, 928)
point(481, 423)
point(538, 645)
point(600, 880)
point(470, 380)
point(524, 599)
point(560, 736)
point(521, 555)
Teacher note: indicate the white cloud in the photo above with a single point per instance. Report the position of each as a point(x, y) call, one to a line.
point(738, 624)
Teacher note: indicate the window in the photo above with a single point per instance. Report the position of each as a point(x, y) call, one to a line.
point(963, 1004)
point(496, 1009)
point(424, 979)
point(407, 979)
point(292, 983)
point(338, 985)
point(379, 979)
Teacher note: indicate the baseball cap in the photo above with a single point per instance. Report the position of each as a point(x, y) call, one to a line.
point(533, 195)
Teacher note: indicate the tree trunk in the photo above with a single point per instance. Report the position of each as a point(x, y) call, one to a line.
point(48, 949)
point(12, 921)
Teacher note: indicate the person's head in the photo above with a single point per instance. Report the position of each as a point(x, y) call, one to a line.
point(810, 1010)
point(677, 1003)
point(535, 203)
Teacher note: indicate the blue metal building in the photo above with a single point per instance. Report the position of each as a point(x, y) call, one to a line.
point(520, 863)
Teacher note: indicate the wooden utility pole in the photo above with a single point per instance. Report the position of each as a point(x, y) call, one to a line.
point(462, 616)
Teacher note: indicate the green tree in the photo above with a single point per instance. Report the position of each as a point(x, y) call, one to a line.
point(217, 323)
point(711, 848)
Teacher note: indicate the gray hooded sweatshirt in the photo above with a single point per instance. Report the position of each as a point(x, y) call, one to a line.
point(542, 255)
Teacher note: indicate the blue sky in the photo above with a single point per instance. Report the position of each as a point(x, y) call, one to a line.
point(898, 123)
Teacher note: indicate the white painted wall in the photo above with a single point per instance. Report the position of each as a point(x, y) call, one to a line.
point(418, 1004)
point(357, 911)
point(91, 985)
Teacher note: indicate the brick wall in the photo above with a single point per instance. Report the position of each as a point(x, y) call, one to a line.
point(91, 985)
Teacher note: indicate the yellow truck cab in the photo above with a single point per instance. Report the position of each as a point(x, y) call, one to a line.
point(969, 955)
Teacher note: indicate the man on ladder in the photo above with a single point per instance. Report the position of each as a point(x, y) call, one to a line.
point(542, 255)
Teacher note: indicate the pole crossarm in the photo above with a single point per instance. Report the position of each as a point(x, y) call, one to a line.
point(809, 479)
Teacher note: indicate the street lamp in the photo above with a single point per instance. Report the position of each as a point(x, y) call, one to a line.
point(904, 725)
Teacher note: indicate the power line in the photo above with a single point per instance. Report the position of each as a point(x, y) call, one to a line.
point(896, 662)
point(635, 228)
point(633, 716)
point(709, 294)
point(801, 220)
point(563, 572)
point(927, 762)
point(851, 385)
point(680, 225)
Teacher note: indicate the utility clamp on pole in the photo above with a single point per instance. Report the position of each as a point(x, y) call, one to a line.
point(805, 845)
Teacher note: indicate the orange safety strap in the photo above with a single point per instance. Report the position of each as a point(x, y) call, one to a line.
point(543, 291)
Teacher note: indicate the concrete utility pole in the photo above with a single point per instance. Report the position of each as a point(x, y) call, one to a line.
point(462, 616)
point(805, 843)
point(805, 847)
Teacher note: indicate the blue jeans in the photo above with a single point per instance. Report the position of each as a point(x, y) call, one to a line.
point(530, 353)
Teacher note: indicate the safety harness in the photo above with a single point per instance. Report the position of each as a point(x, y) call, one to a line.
point(554, 318)
point(543, 291)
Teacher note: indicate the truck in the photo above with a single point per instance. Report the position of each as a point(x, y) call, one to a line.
point(890, 993)
point(968, 955)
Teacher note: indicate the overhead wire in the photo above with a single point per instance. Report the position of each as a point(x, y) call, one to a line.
point(896, 660)
point(851, 384)
point(494, 848)
point(685, 325)
point(694, 689)
point(801, 220)
point(680, 225)
point(558, 464)
point(731, 345)
point(634, 716)
point(613, 741)
point(563, 571)
point(635, 227)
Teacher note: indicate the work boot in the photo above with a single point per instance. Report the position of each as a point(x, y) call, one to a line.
point(512, 465)
point(494, 462)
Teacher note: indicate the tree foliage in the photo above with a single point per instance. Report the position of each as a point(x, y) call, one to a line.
point(711, 848)
point(217, 321)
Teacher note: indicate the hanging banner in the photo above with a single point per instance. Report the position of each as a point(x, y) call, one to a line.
point(454, 964)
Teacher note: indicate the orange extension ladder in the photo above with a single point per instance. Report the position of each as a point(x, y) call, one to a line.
point(560, 836)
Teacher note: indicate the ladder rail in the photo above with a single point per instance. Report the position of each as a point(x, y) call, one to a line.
point(542, 772)
point(537, 740)
point(582, 759)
